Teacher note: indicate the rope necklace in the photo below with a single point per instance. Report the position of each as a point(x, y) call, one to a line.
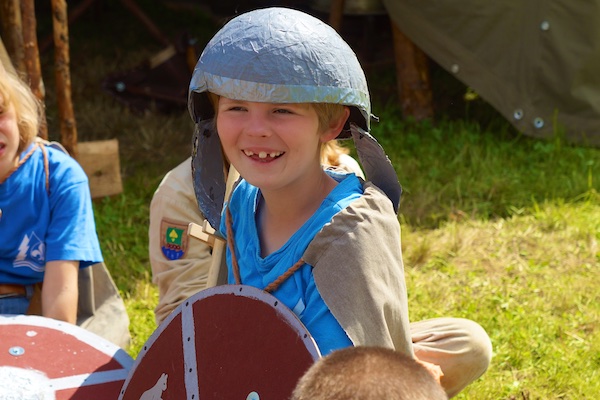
point(270, 288)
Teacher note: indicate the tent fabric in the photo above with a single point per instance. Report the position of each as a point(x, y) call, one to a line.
point(534, 61)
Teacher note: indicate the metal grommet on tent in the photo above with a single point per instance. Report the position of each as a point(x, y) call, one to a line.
point(518, 114)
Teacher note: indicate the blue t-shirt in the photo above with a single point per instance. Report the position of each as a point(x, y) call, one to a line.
point(298, 292)
point(37, 225)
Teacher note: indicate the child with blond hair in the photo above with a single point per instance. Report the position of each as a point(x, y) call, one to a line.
point(269, 90)
point(46, 218)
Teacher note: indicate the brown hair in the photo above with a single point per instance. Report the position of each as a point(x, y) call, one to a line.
point(368, 373)
point(28, 109)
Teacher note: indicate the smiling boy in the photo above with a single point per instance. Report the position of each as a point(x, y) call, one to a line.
point(270, 88)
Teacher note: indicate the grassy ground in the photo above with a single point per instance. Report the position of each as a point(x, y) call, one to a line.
point(497, 227)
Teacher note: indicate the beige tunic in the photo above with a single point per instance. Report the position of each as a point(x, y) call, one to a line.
point(358, 270)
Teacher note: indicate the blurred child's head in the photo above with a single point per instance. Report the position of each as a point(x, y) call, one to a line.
point(13, 91)
point(368, 373)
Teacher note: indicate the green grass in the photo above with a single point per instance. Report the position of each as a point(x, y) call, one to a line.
point(497, 227)
point(530, 280)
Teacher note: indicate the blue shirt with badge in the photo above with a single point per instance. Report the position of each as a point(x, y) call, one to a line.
point(299, 292)
point(40, 224)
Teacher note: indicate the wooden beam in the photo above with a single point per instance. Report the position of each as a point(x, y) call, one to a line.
point(100, 161)
point(68, 130)
point(336, 14)
point(412, 76)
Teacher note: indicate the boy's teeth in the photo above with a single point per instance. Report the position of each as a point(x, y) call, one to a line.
point(262, 154)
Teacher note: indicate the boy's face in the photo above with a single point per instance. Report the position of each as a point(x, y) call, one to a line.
point(272, 145)
point(9, 138)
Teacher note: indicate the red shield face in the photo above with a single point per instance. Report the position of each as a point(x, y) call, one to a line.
point(48, 359)
point(227, 342)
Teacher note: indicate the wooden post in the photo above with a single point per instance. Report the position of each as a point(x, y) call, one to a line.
point(32, 57)
point(12, 32)
point(336, 14)
point(68, 130)
point(412, 75)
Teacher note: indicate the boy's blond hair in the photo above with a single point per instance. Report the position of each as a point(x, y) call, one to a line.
point(331, 152)
point(368, 373)
point(327, 112)
point(27, 107)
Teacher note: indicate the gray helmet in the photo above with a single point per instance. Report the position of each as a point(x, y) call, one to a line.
point(279, 55)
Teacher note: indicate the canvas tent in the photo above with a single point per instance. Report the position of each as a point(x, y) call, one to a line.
point(535, 61)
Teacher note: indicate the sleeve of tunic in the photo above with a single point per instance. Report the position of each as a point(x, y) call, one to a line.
point(359, 272)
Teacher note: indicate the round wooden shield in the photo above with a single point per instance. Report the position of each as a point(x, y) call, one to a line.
point(42, 358)
point(226, 342)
